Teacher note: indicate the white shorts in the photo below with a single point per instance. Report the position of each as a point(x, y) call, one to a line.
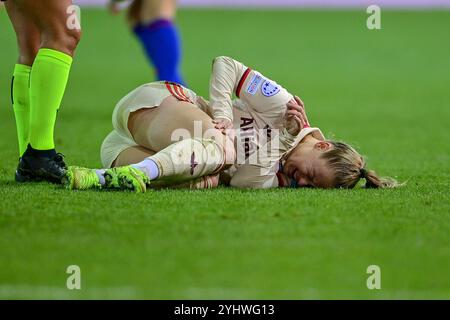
point(148, 95)
point(112, 146)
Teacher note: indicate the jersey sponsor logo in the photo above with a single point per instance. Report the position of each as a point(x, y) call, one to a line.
point(254, 84)
point(268, 132)
point(269, 89)
point(247, 135)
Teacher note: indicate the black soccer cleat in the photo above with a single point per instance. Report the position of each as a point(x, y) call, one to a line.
point(39, 166)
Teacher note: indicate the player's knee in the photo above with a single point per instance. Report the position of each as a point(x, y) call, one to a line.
point(71, 40)
point(223, 142)
point(230, 152)
point(64, 40)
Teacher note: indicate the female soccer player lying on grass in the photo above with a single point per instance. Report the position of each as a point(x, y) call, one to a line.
point(260, 140)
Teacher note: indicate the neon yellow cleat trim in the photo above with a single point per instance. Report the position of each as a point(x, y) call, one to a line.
point(78, 178)
point(127, 178)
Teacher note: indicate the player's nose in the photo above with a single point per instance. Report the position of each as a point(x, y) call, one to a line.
point(302, 183)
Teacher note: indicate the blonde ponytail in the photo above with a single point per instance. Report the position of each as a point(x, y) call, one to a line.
point(349, 167)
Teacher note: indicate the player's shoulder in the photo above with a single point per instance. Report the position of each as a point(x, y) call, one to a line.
point(260, 89)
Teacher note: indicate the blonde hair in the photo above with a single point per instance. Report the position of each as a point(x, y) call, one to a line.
point(349, 167)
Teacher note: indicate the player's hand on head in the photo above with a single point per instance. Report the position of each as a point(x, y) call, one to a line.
point(296, 107)
point(296, 118)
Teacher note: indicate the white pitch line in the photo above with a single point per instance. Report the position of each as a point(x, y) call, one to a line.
point(48, 292)
point(25, 291)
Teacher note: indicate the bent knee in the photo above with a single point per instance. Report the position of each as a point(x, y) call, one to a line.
point(65, 40)
point(230, 152)
point(70, 40)
point(224, 142)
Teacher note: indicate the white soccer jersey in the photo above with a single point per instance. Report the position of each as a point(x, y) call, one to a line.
point(258, 116)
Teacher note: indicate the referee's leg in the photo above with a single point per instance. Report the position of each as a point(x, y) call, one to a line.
point(59, 37)
point(28, 41)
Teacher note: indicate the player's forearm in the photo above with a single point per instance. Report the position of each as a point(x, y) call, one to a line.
point(205, 182)
point(224, 80)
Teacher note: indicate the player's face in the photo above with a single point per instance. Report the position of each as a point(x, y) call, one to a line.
point(308, 169)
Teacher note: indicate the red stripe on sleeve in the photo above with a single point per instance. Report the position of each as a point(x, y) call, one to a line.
point(241, 82)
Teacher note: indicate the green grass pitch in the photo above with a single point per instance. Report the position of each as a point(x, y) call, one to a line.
point(386, 91)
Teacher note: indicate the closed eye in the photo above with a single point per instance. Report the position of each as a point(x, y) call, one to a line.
point(312, 183)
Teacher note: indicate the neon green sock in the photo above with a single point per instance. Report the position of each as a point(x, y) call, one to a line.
point(49, 76)
point(21, 103)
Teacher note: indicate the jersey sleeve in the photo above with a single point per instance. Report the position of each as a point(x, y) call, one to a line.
point(262, 94)
point(225, 77)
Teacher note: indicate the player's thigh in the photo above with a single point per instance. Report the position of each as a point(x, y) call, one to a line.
point(56, 21)
point(133, 14)
point(181, 120)
point(156, 9)
point(27, 33)
point(132, 155)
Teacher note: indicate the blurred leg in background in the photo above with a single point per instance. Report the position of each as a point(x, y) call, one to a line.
point(152, 21)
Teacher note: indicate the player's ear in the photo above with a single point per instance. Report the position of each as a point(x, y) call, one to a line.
point(322, 146)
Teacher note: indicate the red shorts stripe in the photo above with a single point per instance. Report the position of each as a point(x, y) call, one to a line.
point(180, 92)
point(185, 95)
point(170, 89)
point(241, 82)
point(173, 91)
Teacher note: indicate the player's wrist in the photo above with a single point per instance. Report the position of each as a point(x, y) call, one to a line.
point(222, 118)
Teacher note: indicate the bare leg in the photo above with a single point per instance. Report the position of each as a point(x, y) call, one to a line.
point(152, 21)
point(51, 19)
point(192, 162)
point(27, 33)
point(186, 143)
point(157, 128)
point(28, 41)
point(132, 155)
point(47, 41)
point(145, 11)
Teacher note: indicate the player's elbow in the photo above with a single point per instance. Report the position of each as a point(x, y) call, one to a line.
point(220, 59)
point(243, 183)
point(246, 181)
